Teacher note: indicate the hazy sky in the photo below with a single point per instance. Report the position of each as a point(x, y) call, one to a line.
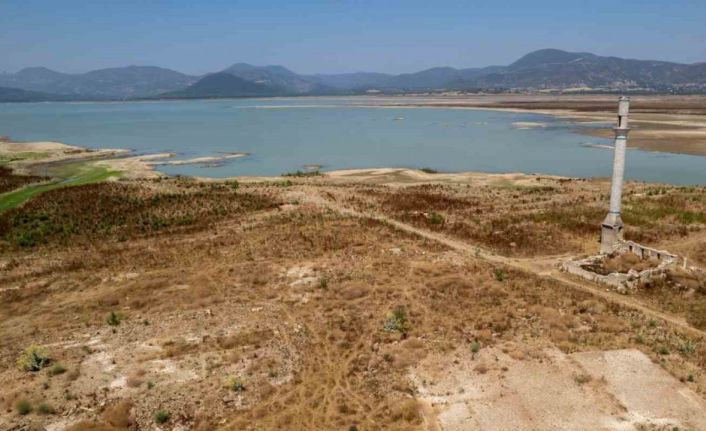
point(337, 35)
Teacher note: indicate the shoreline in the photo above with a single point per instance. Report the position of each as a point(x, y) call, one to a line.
point(668, 124)
point(45, 157)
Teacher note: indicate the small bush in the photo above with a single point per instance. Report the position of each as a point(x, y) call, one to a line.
point(429, 171)
point(57, 369)
point(45, 409)
point(663, 350)
point(162, 416)
point(436, 219)
point(114, 318)
point(236, 384)
point(475, 348)
point(34, 358)
point(23, 407)
point(397, 321)
point(499, 274)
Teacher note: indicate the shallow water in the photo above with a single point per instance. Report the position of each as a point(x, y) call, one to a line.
point(284, 135)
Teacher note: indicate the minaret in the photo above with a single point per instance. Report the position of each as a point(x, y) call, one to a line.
point(612, 226)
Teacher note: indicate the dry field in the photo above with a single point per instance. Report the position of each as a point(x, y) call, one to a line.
point(328, 303)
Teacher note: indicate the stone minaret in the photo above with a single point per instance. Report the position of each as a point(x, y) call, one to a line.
point(612, 226)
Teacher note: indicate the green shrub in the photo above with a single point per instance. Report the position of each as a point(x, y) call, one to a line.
point(236, 384)
point(34, 358)
point(23, 407)
point(57, 369)
point(436, 219)
point(429, 171)
point(475, 348)
point(663, 350)
point(114, 318)
point(499, 274)
point(45, 409)
point(162, 416)
point(397, 321)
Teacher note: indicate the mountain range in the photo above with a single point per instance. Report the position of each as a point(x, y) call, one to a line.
point(546, 69)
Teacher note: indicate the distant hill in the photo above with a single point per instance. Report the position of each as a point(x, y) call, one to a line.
point(113, 83)
point(277, 77)
point(555, 69)
point(224, 84)
point(545, 69)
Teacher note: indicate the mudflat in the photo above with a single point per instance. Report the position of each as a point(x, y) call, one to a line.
point(675, 124)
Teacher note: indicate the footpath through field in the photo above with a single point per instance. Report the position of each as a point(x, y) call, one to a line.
point(542, 266)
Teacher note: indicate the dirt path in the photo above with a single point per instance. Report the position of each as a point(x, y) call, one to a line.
point(543, 266)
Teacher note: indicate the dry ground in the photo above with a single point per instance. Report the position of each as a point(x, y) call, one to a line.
point(276, 305)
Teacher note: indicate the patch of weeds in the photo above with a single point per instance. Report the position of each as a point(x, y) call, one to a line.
point(323, 283)
point(639, 339)
point(162, 416)
point(300, 174)
point(236, 384)
point(499, 274)
point(663, 350)
point(436, 219)
point(233, 184)
point(23, 407)
point(45, 409)
point(475, 348)
point(150, 384)
point(687, 347)
point(34, 358)
point(429, 171)
point(397, 321)
point(57, 369)
point(690, 378)
point(114, 318)
point(652, 323)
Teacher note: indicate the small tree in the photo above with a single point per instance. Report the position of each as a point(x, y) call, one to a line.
point(34, 358)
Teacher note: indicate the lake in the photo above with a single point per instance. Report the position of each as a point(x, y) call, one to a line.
point(284, 135)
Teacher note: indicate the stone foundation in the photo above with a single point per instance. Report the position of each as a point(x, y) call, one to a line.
point(622, 282)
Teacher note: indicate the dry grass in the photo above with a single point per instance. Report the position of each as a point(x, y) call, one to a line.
point(229, 297)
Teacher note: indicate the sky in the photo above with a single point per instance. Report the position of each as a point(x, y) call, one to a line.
point(334, 36)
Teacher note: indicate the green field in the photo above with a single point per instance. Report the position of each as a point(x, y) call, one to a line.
point(27, 155)
point(74, 174)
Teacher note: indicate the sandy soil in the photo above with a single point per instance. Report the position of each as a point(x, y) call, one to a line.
point(505, 387)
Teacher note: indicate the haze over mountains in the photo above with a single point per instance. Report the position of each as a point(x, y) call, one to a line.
point(547, 69)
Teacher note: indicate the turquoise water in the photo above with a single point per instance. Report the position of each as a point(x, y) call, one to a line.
point(284, 135)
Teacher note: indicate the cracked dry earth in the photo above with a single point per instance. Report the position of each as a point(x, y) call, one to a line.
point(291, 299)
